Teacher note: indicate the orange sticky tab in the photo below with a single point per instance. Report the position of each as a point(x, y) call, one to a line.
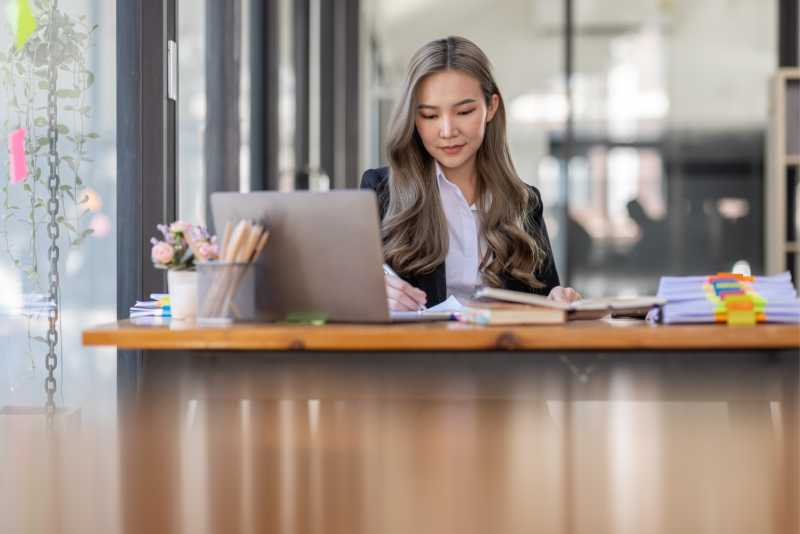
point(739, 303)
point(740, 277)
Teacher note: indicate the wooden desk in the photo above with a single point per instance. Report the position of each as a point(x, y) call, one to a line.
point(520, 386)
point(578, 335)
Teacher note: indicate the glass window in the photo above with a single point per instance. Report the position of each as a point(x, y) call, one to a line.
point(191, 112)
point(192, 105)
point(670, 109)
point(85, 93)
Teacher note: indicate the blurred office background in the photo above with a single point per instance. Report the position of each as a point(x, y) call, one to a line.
point(642, 122)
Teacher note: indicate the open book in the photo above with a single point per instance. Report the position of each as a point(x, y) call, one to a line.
point(592, 308)
point(444, 311)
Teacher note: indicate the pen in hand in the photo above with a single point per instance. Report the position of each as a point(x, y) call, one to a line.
point(390, 272)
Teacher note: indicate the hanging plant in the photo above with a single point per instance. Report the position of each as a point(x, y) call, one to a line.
point(24, 81)
point(45, 82)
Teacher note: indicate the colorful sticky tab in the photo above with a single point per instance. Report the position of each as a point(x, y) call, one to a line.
point(312, 318)
point(27, 24)
point(22, 22)
point(738, 276)
point(741, 317)
point(739, 303)
point(16, 152)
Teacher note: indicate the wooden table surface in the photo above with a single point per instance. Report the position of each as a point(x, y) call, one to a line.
point(615, 334)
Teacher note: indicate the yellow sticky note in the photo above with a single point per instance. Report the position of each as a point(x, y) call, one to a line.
point(27, 24)
point(741, 318)
point(21, 19)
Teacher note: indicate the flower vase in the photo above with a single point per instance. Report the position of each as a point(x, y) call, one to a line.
point(182, 287)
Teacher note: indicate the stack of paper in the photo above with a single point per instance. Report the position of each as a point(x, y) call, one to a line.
point(157, 307)
point(36, 305)
point(728, 298)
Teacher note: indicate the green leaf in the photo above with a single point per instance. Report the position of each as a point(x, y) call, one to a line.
point(65, 188)
point(43, 85)
point(92, 136)
point(39, 121)
point(63, 129)
point(68, 93)
point(68, 225)
point(27, 187)
point(89, 79)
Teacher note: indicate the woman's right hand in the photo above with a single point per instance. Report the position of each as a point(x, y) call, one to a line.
point(402, 296)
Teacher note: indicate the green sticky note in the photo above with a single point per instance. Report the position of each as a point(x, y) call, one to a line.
point(313, 318)
point(21, 19)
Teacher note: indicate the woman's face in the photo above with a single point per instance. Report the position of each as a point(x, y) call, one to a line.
point(451, 117)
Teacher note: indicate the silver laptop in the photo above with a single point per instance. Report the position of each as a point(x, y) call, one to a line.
point(323, 257)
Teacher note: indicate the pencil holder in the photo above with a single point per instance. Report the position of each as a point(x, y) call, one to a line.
point(226, 292)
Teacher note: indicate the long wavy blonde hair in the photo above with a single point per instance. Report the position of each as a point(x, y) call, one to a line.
point(414, 227)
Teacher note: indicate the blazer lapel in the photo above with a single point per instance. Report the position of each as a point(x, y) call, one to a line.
point(433, 284)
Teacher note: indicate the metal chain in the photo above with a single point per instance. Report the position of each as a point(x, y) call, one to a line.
point(53, 183)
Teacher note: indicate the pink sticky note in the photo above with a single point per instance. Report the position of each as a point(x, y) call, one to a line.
point(16, 152)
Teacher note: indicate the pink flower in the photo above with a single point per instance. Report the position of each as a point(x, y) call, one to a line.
point(162, 253)
point(180, 227)
point(207, 252)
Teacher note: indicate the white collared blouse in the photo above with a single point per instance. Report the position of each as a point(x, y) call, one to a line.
point(465, 244)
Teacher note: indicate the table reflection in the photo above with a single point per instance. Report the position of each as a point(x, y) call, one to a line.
point(639, 459)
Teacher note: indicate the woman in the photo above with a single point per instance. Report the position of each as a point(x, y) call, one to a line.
point(454, 213)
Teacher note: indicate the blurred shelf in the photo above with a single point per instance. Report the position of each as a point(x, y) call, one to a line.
point(783, 145)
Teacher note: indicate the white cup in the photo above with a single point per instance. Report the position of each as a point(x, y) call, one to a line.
point(182, 294)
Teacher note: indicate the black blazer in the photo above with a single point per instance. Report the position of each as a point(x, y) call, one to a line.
point(435, 283)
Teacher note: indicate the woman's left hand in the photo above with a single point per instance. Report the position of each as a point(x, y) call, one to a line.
point(564, 294)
